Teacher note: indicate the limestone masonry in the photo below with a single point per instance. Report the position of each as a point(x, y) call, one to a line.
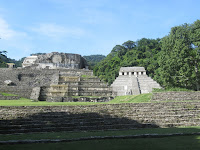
point(56, 60)
point(63, 77)
point(25, 119)
point(133, 81)
point(56, 77)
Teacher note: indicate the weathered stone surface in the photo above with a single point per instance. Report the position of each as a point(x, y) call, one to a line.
point(35, 94)
point(56, 60)
point(98, 117)
point(54, 99)
point(176, 96)
point(68, 99)
point(27, 78)
point(2, 97)
point(9, 82)
point(133, 81)
point(53, 77)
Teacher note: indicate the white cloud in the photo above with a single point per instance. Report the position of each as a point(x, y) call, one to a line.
point(7, 33)
point(56, 31)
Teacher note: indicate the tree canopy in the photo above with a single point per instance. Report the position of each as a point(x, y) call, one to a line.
point(173, 60)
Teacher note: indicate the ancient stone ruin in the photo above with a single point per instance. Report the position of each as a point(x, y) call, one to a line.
point(63, 77)
point(55, 60)
point(55, 77)
point(133, 81)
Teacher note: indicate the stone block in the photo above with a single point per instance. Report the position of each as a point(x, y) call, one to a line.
point(9, 83)
point(35, 94)
point(67, 99)
point(54, 99)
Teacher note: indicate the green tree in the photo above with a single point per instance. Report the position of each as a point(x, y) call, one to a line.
point(3, 58)
point(178, 60)
point(129, 44)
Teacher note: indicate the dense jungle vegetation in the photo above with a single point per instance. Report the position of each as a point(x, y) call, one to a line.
point(173, 60)
point(92, 60)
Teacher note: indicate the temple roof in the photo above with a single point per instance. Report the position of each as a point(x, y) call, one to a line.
point(132, 69)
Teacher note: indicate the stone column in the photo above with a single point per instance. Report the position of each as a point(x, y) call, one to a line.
point(139, 73)
point(125, 73)
point(135, 73)
point(144, 73)
point(120, 73)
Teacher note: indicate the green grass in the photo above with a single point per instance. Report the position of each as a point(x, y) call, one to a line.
point(142, 98)
point(165, 143)
point(86, 76)
point(86, 96)
point(7, 94)
point(70, 135)
point(28, 102)
point(120, 99)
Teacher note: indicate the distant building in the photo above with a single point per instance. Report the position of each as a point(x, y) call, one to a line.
point(29, 61)
point(133, 81)
point(11, 65)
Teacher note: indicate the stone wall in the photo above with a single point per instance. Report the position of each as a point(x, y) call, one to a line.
point(2, 97)
point(98, 117)
point(25, 79)
point(20, 91)
point(37, 77)
point(56, 60)
point(176, 96)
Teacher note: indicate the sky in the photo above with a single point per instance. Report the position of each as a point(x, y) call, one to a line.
point(87, 27)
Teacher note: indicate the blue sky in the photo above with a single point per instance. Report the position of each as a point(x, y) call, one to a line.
point(87, 27)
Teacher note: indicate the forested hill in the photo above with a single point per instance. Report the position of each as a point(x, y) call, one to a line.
point(92, 60)
point(173, 61)
point(4, 59)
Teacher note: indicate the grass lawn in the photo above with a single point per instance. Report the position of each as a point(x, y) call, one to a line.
point(119, 99)
point(70, 135)
point(165, 143)
point(7, 94)
point(142, 98)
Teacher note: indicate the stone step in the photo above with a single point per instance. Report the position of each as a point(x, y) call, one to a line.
point(135, 116)
point(57, 118)
point(96, 127)
point(133, 109)
point(80, 128)
point(86, 125)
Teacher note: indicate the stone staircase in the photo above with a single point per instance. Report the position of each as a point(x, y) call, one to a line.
point(24, 119)
point(133, 85)
point(126, 85)
point(70, 86)
point(146, 84)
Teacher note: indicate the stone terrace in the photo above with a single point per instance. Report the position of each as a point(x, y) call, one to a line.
point(25, 119)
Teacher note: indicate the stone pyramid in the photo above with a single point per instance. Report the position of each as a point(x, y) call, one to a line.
point(133, 81)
